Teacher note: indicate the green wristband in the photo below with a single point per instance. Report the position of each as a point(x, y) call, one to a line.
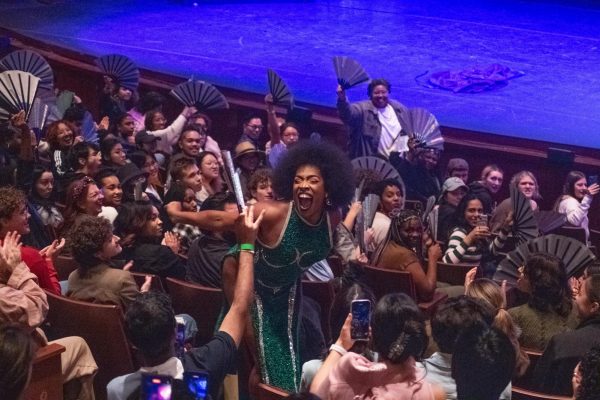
point(247, 247)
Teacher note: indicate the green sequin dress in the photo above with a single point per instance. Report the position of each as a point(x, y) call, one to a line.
point(277, 296)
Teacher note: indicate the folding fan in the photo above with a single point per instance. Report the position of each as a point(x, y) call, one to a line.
point(524, 223)
point(233, 176)
point(64, 101)
point(425, 128)
point(17, 92)
point(574, 254)
point(358, 190)
point(432, 222)
point(32, 62)
point(550, 220)
point(279, 90)
point(369, 208)
point(349, 72)
point(88, 128)
point(428, 207)
point(199, 94)
point(374, 169)
point(120, 68)
point(38, 115)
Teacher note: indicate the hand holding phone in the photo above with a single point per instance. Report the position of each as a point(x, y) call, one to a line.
point(361, 319)
point(196, 384)
point(156, 387)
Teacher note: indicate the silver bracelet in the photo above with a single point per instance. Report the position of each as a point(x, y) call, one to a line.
point(338, 349)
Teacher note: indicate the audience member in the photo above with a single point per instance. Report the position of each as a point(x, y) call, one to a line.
point(210, 174)
point(453, 191)
point(391, 200)
point(186, 198)
point(526, 183)
point(458, 168)
point(113, 154)
point(84, 159)
point(419, 172)
point(252, 131)
point(260, 185)
point(46, 219)
point(109, 184)
point(248, 159)
point(489, 185)
point(586, 384)
point(576, 200)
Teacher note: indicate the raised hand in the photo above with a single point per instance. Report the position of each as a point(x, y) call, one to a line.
point(146, 285)
point(53, 250)
point(246, 228)
point(128, 265)
point(18, 120)
point(10, 252)
point(593, 189)
point(171, 240)
point(104, 123)
point(341, 93)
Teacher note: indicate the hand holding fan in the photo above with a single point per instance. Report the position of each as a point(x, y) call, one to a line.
point(349, 72)
point(373, 170)
point(32, 62)
point(524, 223)
point(279, 90)
point(199, 94)
point(120, 68)
point(17, 92)
point(88, 128)
point(425, 128)
point(574, 254)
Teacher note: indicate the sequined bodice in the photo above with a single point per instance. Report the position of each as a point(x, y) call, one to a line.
point(300, 245)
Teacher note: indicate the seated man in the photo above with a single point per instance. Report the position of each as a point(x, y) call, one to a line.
point(483, 363)
point(206, 252)
point(150, 326)
point(454, 316)
point(22, 301)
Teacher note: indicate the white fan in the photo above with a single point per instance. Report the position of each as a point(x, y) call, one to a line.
point(120, 68)
point(199, 94)
point(32, 62)
point(425, 128)
point(17, 92)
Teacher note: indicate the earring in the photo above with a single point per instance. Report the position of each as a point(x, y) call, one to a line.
point(327, 201)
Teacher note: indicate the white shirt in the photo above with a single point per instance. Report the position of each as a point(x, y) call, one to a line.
point(390, 131)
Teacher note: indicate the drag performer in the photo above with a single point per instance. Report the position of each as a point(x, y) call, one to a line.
point(312, 180)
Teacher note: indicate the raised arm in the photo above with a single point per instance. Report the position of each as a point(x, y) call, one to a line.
point(348, 112)
point(272, 126)
point(170, 134)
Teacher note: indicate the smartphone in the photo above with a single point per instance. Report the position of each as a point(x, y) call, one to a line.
point(156, 387)
point(361, 319)
point(592, 179)
point(483, 220)
point(196, 384)
point(138, 190)
point(180, 340)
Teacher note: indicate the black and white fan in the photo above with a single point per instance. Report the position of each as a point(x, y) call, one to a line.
point(279, 90)
point(373, 169)
point(32, 62)
point(349, 72)
point(574, 254)
point(425, 128)
point(17, 93)
point(525, 225)
point(199, 94)
point(89, 130)
point(38, 115)
point(121, 69)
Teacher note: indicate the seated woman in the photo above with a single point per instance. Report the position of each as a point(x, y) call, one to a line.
point(490, 293)
point(183, 195)
point(113, 154)
point(453, 191)
point(469, 239)
point(156, 125)
point(83, 198)
point(208, 164)
point(140, 228)
point(403, 251)
point(60, 138)
point(549, 309)
point(391, 197)
point(93, 245)
point(527, 184)
point(45, 219)
point(492, 177)
point(400, 339)
point(576, 200)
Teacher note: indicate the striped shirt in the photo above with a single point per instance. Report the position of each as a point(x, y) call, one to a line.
point(459, 252)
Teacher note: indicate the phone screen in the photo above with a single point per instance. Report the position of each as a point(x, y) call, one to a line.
point(196, 384)
point(156, 387)
point(180, 340)
point(361, 319)
point(592, 179)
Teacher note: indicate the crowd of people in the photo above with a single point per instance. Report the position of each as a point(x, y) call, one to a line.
point(155, 198)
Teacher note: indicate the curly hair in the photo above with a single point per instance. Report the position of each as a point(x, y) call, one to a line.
point(589, 369)
point(11, 200)
point(261, 175)
point(52, 133)
point(334, 165)
point(550, 290)
point(87, 238)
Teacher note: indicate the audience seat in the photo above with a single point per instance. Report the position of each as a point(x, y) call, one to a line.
point(102, 327)
point(202, 303)
point(526, 381)
point(524, 394)
point(337, 265)
point(46, 374)
point(156, 284)
point(453, 274)
point(322, 293)
point(385, 281)
point(572, 232)
point(64, 266)
point(267, 392)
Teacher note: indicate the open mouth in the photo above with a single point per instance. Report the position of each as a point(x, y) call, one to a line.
point(304, 201)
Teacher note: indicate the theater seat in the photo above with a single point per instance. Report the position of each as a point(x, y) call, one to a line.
point(46, 374)
point(156, 284)
point(453, 274)
point(524, 394)
point(64, 266)
point(102, 327)
point(323, 294)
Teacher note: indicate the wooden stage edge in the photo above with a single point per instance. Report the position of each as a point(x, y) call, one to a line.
point(504, 146)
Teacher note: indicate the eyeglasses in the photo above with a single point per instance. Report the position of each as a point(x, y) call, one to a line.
point(255, 127)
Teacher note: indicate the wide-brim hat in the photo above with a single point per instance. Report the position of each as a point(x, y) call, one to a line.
point(129, 172)
point(244, 148)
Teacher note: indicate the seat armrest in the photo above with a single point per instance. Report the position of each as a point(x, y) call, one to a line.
point(429, 307)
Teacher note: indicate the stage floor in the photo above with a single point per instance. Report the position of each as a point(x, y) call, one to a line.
point(232, 43)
